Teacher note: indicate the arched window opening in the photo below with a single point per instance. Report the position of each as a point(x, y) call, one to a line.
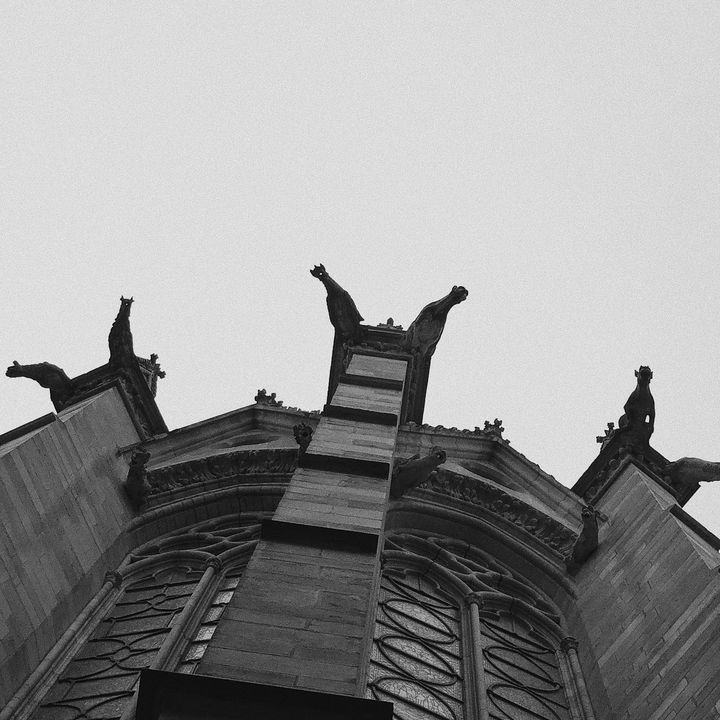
point(440, 595)
point(187, 577)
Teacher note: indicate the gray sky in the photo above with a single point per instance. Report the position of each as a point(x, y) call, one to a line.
point(560, 160)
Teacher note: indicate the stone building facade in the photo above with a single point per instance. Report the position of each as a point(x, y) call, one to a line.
point(351, 563)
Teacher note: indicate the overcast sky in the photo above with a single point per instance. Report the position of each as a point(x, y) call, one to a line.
point(560, 160)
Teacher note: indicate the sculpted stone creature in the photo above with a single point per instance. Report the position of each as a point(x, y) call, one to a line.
point(687, 471)
point(415, 470)
point(303, 435)
point(587, 541)
point(343, 314)
point(135, 484)
point(639, 418)
point(47, 376)
point(120, 338)
point(424, 333)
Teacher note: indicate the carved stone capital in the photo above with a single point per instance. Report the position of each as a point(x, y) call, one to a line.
point(568, 643)
point(215, 563)
point(114, 577)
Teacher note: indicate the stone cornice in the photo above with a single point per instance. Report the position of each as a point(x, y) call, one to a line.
point(223, 466)
point(497, 501)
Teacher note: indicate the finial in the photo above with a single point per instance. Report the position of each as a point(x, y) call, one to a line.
point(262, 398)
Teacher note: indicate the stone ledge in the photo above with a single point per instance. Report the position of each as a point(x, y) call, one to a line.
point(177, 696)
point(370, 381)
point(319, 536)
point(345, 465)
point(374, 417)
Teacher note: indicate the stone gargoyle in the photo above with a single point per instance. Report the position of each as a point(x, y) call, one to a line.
point(120, 339)
point(424, 332)
point(46, 375)
point(344, 315)
point(410, 473)
point(303, 436)
point(688, 471)
point(638, 422)
point(587, 541)
point(135, 485)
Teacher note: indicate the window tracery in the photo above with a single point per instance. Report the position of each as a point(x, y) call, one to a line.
point(161, 579)
point(510, 630)
point(416, 660)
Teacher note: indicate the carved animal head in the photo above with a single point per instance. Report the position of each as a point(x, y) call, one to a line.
point(139, 457)
point(644, 375)
point(458, 293)
point(14, 370)
point(439, 455)
point(319, 272)
point(303, 435)
point(588, 512)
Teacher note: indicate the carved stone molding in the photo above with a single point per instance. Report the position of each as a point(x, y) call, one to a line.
point(227, 465)
point(215, 563)
point(612, 455)
point(498, 502)
point(492, 430)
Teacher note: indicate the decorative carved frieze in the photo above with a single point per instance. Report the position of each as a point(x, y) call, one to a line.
point(243, 462)
point(548, 531)
point(492, 430)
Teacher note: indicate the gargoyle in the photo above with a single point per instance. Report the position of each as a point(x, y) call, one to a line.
point(688, 471)
point(135, 485)
point(47, 376)
point(587, 541)
point(415, 470)
point(303, 435)
point(344, 316)
point(424, 333)
point(120, 338)
point(639, 418)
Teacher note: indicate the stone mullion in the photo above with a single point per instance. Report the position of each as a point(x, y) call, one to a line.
point(477, 689)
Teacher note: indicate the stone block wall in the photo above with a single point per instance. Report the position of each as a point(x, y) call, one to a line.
point(650, 601)
point(62, 516)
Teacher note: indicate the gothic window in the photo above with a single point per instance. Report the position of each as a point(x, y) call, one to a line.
point(416, 660)
point(439, 596)
point(165, 584)
point(99, 682)
point(521, 668)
